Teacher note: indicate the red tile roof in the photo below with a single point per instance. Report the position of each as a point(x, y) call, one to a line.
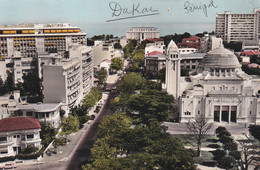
point(154, 53)
point(251, 52)
point(154, 39)
point(19, 123)
point(191, 38)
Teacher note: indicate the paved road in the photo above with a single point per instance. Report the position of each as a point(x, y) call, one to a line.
point(82, 153)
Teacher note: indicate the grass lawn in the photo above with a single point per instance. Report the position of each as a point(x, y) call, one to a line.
point(208, 142)
point(189, 140)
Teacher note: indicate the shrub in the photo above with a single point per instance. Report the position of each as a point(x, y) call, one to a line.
point(230, 146)
point(212, 140)
point(6, 159)
point(209, 163)
point(222, 131)
point(213, 146)
point(30, 156)
point(255, 131)
point(225, 139)
point(29, 149)
point(225, 162)
point(218, 154)
point(59, 142)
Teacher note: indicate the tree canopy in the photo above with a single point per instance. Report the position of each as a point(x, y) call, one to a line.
point(117, 64)
point(70, 124)
point(131, 82)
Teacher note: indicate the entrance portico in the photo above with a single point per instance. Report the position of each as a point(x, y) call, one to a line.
point(225, 113)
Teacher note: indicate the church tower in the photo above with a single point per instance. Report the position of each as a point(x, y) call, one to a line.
point(173, 70)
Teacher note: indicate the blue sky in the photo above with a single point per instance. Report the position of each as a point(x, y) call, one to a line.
point(92, 15)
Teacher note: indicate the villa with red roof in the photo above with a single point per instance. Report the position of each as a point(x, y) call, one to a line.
point(17, 133)
point(191, 42)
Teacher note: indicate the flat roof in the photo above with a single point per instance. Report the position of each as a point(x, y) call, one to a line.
point(192, 55)
point(42, 107)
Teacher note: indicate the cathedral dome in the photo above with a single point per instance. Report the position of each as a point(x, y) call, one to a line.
point(220, 58)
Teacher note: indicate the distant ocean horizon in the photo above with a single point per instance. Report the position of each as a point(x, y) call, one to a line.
point(120, 29)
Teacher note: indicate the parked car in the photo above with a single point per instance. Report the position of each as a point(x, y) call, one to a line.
point(97, 109)
point(92, 117)
point(8, 165)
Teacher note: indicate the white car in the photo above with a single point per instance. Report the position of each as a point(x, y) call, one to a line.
point(8, 165)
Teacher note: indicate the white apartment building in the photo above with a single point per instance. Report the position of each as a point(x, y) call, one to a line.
point(238, 27)
point(142, 33)
point(22, 65)
point(68, 80)
point(149, 49)
point(47, 113)
point(32, 38)
point(103, 50)
point(17, 133)
point(21, 44)
point(210, 42)
point(187, 50)
point(3, 74)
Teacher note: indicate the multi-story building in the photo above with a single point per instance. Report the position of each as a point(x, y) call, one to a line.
point(210, 42)
point(191, 42)
point(22, 65)
point(46, 113)
point(32, 38)
point(142, 33)
point(21, 44)
point(191, 61)
point(103, 50)
point(17, 133)
point(3, 74)
point(67, 80)
point(238, 27)
point(157, 43)
point(154, 62)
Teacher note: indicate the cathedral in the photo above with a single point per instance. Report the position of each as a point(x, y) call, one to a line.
point(218, 90)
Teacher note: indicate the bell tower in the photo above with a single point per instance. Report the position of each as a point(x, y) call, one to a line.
point(173, 70)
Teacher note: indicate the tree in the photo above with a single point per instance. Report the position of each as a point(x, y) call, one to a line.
point(114, 124)
point(222, 131)
point(131, 82)
point(9, 82)
point(151, 105)
point(199, 127)
point(139, 58)
point(47, 134)
point(102, 76)
point(117, 46)
point(117, 64)
point(32, 86)
point(255, 131)
point(2, 87)
point(70, 124)
point(250, 154)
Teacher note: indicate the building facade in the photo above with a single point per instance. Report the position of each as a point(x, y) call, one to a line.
point(191, 42)
point(210, 42)
point(68, 80)
point(32, 38)
point(102, 51)
point(219, 90)
point(238, 27)
point(142, 33)
point(46, 113)
point(17, 133)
